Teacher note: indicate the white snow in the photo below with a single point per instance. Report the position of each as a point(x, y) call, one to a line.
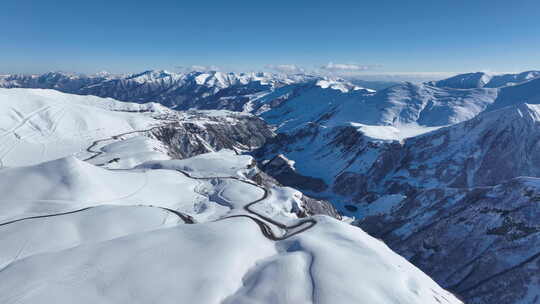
point(39, 125)
point(390, 133)
point(127, 249)
point(222, 163)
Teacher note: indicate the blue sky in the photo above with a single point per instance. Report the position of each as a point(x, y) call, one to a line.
point(360, 37)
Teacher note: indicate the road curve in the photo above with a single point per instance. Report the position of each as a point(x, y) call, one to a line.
point(96, 142)
point(261, 220)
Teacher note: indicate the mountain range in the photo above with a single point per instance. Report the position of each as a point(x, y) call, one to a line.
point(444, 172)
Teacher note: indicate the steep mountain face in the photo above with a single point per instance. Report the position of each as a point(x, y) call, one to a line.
point(353, 128)
point(484, 151)
point(360, 132)
point(489, 235)
point(418, 163)
point(527, 92)
point(497, 81)
point(208, 131)
point(454, 197)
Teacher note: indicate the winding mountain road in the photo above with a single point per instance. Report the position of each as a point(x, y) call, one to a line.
point(96, 142)
point(260, 219)
point(264, 222)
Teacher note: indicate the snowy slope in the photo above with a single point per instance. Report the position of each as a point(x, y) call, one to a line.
point(487, 150)
point(39, 125)
point(194, 230)
point(465, 81)
point(401, 105)
point(229, 260)
point(431, 170)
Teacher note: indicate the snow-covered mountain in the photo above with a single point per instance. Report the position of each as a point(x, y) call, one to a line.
point(104, 214)
point(434, 169)
point(39, 125)
point(352, 129)
point(485, 80)
point(181, 91)
point(374, 154)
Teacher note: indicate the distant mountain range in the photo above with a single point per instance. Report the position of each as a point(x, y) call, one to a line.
point(181, 91)
point(485, 80)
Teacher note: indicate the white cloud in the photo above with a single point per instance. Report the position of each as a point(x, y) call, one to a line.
point(286, 68)
point(198, 68)
point(346, 67)
point(400, 76)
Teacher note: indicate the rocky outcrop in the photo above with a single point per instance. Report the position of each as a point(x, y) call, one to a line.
point(211, 131)
point(312, 206)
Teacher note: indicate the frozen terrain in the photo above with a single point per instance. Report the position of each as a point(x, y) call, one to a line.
point(443, 171)
point(39, 125)
point(104, 215)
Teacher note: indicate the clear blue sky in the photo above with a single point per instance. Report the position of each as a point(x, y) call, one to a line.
point(387, 36)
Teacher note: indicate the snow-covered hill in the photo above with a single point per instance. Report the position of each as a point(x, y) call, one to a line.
point(37, 125)
point(108, 217)
point(92, 234)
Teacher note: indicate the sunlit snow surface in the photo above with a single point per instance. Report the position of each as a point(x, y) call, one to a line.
point(37, 125)
point(126, 248)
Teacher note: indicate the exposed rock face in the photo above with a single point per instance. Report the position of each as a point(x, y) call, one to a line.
point(283, 170)
point(312, 206)
point(212, 131)
point(205, 131)
point(489, 235)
